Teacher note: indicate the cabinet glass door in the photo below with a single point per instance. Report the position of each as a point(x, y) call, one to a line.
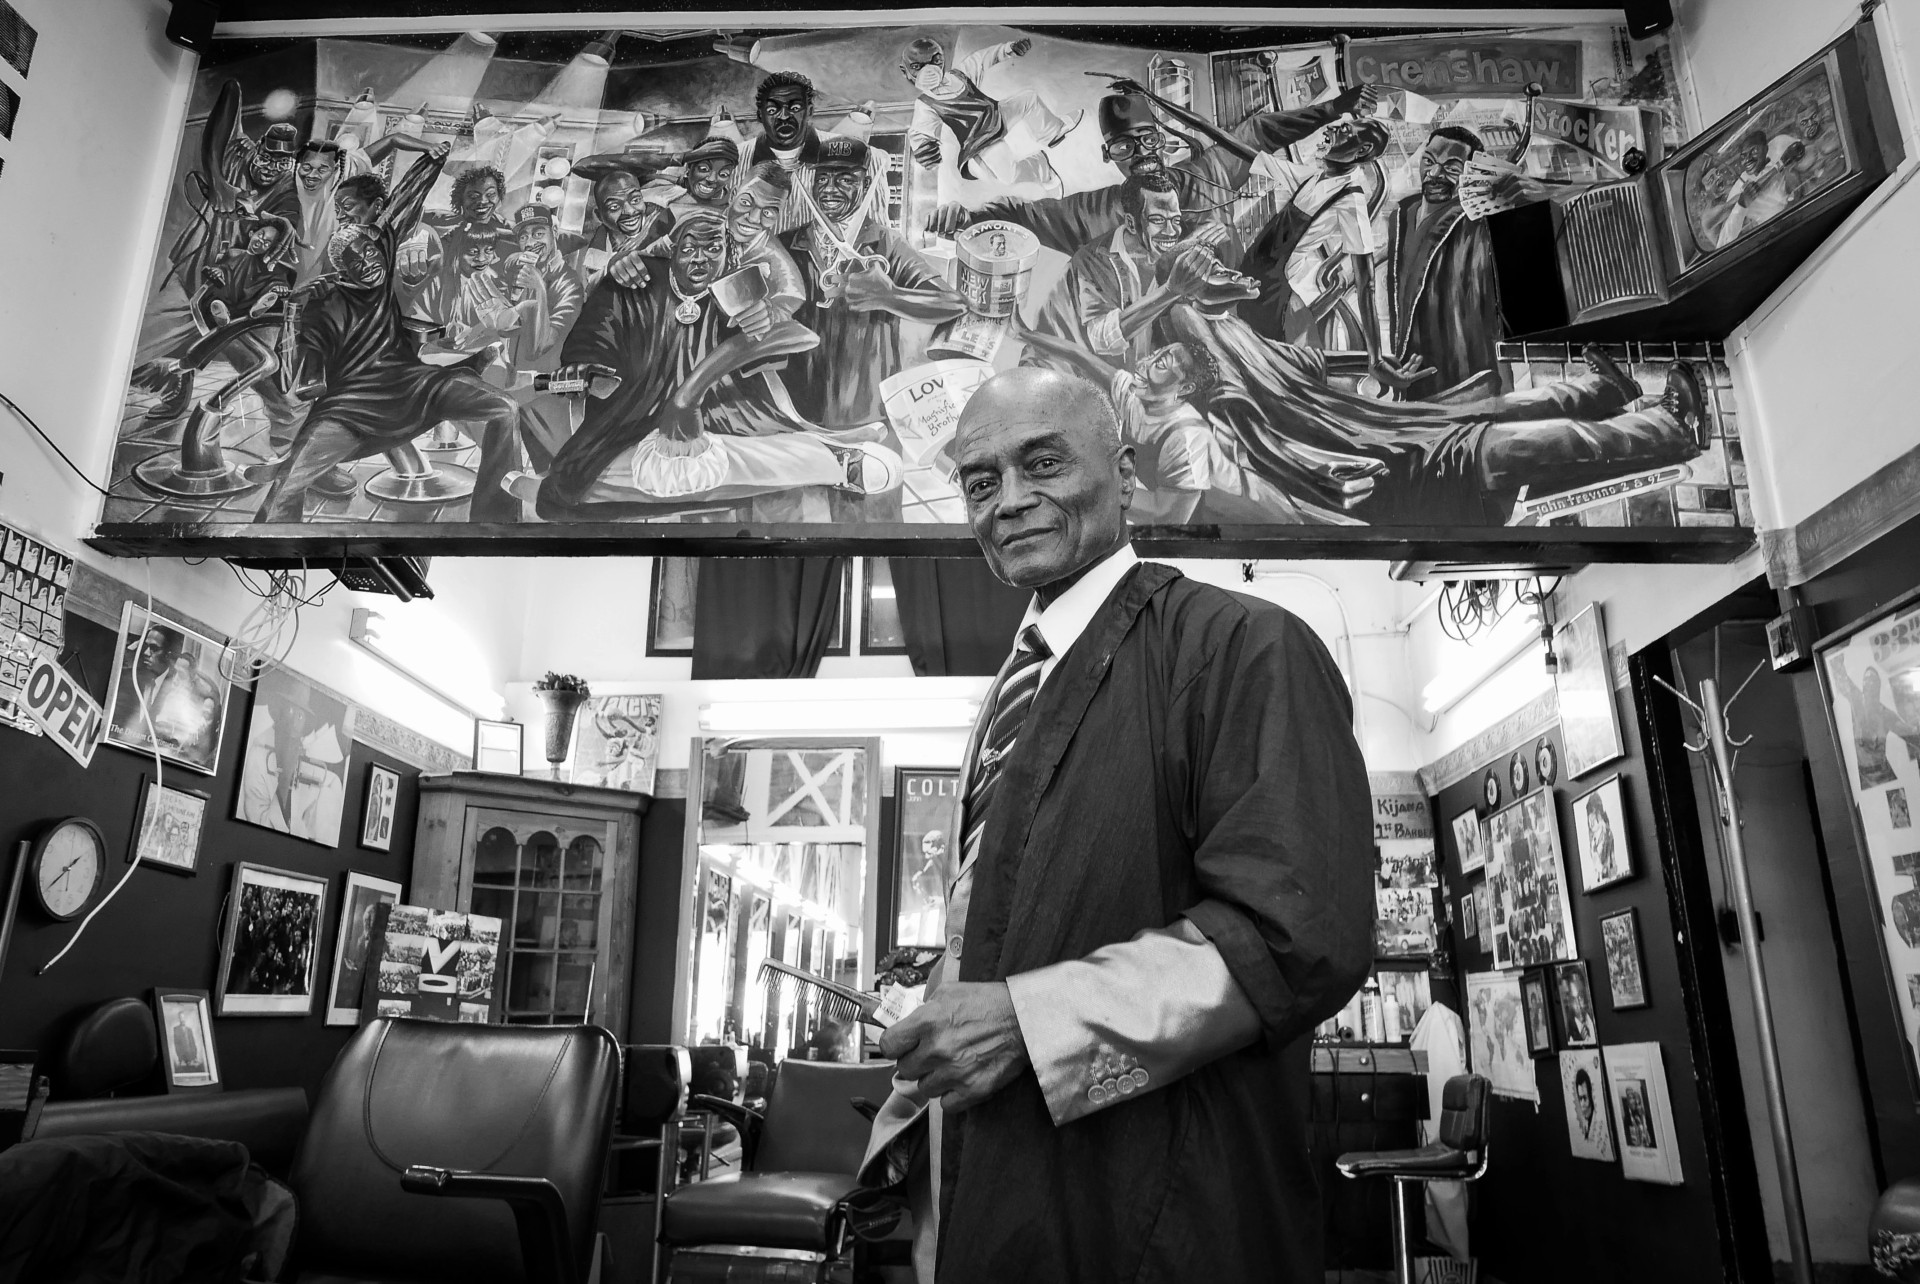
point(544, 878)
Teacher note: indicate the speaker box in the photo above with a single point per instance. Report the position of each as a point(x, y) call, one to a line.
point(190, 25)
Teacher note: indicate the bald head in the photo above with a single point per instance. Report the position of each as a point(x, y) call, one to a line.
point(1045, 477)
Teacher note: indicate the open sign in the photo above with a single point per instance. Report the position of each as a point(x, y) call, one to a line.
point(64, 711)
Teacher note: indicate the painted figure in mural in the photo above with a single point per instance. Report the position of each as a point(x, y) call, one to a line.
point(1210, 179)
point(699, 416)
point(706, 177)
point(753, 216)
point(631, 221)
point(378, 394)
point(1006, 138)
point(1441, 288)
point(239, 176)
point(318, 170)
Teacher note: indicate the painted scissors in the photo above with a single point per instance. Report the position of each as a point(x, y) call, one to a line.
point(834, 278)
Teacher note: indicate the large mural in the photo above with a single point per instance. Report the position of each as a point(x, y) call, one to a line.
point(504, 285)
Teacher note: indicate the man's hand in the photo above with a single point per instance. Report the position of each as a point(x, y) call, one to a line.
point(927, 152)
point(1358, 101)
point(415, 258)
point(755, 319)
point(962, 1045)
point(949, 218)
point(629, 268)
point(1188, 270)
point(1397, 373)
point(1020, 47)
point(868, 288)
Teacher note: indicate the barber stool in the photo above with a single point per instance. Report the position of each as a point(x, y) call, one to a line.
point(1459, 1155)
point(410, 479)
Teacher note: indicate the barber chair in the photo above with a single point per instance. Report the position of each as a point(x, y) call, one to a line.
point(719, 1071)
point(411, 479)
point(1460, 1154)
point(797, 1190)
point(441, 1150)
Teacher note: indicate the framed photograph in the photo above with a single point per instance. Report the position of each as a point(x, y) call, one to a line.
point(293, 777)
point(184, 1021)
point(171, 827)
point(1533, 997)
point(383, 800)
point(926, 843)
point(1626, 976)
point(1589, 720)
point(167, 694)
point(1637, 1082)
point(363, 896)
point(1497, 1035)
point(1583, 1082)
point(1470, 840)
point(1483, 909)
point(1403, 922)
point(1574, 994)
point(1600, 836)
point(270, 949)
point(670, 605)
point(1469, 917)
point(1411, 989)
point(1533, 916)
point(616, 742)
point(499, 747)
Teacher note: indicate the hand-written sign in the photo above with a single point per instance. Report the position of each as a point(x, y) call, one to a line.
point(1466, 66)
point(64, 710)
point(1398, 816)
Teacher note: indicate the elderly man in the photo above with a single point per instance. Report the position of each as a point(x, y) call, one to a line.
point(1165, 883)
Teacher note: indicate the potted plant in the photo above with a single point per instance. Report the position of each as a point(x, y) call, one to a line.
point(562, 694)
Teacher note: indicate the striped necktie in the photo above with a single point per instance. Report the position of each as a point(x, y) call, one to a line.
point(1012, 697)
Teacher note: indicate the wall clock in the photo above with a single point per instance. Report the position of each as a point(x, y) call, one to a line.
point(65, 865)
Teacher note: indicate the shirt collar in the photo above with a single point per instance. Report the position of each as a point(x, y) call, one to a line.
point(1062, 622)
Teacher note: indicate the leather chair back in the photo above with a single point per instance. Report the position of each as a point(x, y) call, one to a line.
point(654, 1086)
point(1464, 1117)
point(110, 1047)
point(811, 1125)
point(533, 1101)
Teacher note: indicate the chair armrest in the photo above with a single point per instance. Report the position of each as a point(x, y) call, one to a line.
point(539, 1214)
point(747, 1121)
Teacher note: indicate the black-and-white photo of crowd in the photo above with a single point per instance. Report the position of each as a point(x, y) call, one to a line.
point(271, 952)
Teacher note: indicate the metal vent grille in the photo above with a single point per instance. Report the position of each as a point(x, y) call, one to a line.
point(16, 39)
point(1607, 250)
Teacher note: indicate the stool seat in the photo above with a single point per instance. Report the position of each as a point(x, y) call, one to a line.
point(1437, 1162)
point(770, 1210)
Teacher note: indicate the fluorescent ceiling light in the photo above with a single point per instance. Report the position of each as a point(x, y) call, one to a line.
point(839, 715)
point(1516, 633)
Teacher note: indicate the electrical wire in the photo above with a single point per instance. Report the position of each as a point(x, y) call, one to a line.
point(28, 420)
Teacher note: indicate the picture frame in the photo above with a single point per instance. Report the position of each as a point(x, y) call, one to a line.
point(1496, 1034)
point(1470, 840)
point(270, 942)
point(183, 1021)
point(1583, 1083)
point(616, 742)
point(1589, 718)
point(1539, 1012)
point(1573, 997)
point(296, 729)
point(1411, 989)
point(359, 898)
point(1637, 1084)
point(926, 847)
point(169, 827)
point(1601, 836)
point(499, 747)
point(165, 660)
point(670, 602)
point(378, 812)
point(1533, 915)
point(1469, 917)
point(1626, 966)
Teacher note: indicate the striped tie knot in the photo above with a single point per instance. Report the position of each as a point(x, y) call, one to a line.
point(1012, 697)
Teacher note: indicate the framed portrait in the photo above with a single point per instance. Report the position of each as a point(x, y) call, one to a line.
point(1411, 989)
point(1626, 974)
point(1637, 1082)
point(1589, 719)
point(1574, 996)
point(1583, 1083)
point(1539, 1013)
point(926, 844)
point(616, 742)
point(293, 776)
point(270, 948)
point(1469, 917)
point(167, 695)
point(499, 747)
point(1600, 836)
point(383, 801)
point(670, 605)
point(1470, 840)
point(1533, 916)
point(364, 894)
point(171, 826)
point(1483, 910)
point(184, 1021)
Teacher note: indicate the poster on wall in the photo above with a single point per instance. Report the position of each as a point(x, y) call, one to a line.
point(926, 846)
point(616, 742)
point(1872, 677)
point(1497, 1034)
point(293, 775)
point(1589, 720)
point(168, 695)
point(533, 288)
point(1533, 920)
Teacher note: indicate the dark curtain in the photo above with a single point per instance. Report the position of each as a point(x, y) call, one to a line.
point(764, 617)
point(958, 619)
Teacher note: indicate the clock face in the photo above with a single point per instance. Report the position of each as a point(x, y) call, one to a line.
point(68, 867)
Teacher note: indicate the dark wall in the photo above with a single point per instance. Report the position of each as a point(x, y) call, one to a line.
point(163, 927)
point(1541, 1216)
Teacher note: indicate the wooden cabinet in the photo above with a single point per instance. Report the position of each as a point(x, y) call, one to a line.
point(558, 865)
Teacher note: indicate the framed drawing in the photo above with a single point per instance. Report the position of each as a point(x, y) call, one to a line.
point(1575, 998)
point(1584, 1084)
point(1600, 835)
point(1530, 880)
point(171, 827)
point(499, 746)
point(1626, 974)
point(1470, 840)
point(293, 777)
point(184, 1021)
point(383, 802)
point(167, 695)
point(346, 987)
point(926, 844)
point(1533, 996)
point(1589, 720)
point(897, 103)
point(270, 949)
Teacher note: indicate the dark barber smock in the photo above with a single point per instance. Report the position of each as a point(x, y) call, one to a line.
point(1191, 756)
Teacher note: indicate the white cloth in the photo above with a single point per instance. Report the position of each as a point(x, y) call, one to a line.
point(1441, 1036)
